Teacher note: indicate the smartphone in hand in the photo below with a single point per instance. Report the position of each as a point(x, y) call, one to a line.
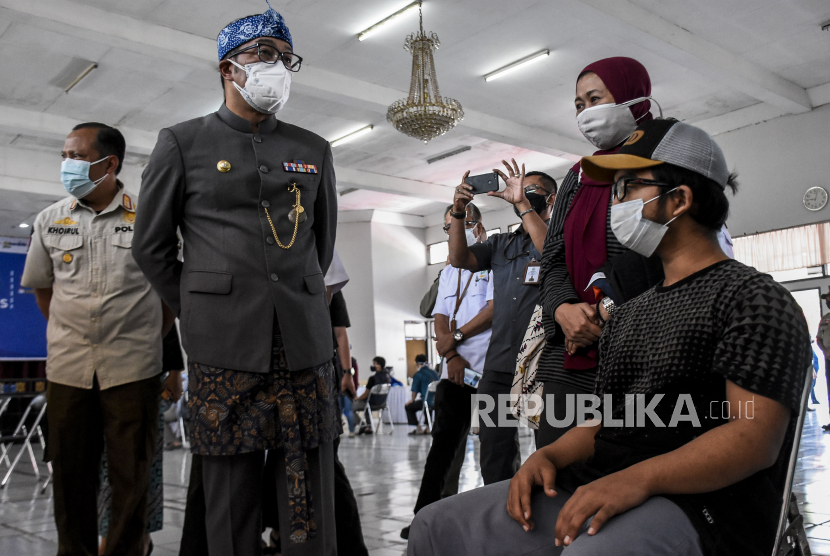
point(483, 183)
point(472, 378)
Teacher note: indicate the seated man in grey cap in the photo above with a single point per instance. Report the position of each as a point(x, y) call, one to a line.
point(698, 389)
point(255, 201)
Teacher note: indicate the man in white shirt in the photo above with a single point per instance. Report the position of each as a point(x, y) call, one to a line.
point(463, 315)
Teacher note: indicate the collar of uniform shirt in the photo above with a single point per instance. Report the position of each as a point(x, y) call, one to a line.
point(117, 200)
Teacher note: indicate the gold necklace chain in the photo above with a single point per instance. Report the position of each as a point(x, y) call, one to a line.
point(294, 189)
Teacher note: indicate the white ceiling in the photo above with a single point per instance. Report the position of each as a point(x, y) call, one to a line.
point(722, 65)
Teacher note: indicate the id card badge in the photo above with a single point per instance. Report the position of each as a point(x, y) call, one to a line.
point(532, 273)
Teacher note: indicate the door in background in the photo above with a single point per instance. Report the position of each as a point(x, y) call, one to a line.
point(414, 347)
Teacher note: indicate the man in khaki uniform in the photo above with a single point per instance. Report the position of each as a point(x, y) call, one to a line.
point(823, 340)
point(103, 345)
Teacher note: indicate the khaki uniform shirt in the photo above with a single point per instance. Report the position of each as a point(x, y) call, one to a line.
point(104, 319)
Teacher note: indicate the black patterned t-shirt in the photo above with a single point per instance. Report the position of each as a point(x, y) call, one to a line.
point(684, 341)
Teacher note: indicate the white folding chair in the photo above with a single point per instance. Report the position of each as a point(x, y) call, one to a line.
point(429, 413)
point(791, 538)
point(21, 433)
point(379, 390)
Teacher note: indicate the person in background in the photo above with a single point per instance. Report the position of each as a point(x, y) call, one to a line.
point(343, 357)
point(421, 380)
point(686, 481)
point(463, 314)
point(171, 391)
point(381, 376)
point(611, 98)
point(104, 343)
point(813, 399)
point(823, 341)
point(511, 257)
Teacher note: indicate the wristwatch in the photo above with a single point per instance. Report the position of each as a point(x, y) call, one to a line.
point(609, 305)
point(458, 335)
point(459, 215)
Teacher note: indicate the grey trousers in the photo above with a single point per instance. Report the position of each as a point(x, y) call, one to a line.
point(476, 523)
point(233, 496)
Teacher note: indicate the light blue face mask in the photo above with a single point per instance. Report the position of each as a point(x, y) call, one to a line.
point(75, 177)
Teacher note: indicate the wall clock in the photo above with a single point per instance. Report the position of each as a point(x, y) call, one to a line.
point(815, 198)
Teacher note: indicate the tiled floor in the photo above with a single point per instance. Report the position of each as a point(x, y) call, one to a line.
point(385, 471)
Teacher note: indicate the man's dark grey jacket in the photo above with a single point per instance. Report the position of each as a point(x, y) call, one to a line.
point(234, 276)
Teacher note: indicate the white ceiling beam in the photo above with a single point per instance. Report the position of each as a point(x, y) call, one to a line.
point(695, 53)
point(349, 177)
point(819, 95)
point(18, 120)
point(118, 29)
point(381, 217)
point(53, 125)
point(742, 117)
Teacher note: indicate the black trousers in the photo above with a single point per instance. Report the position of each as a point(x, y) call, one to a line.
point(349, 531)
point(500, 457)
point(453, 412)
point(546, 433)
point(412, 409)
point(234, 500)
point(79, 421)
point(194, 529)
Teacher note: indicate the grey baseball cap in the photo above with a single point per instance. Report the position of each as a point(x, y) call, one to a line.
point(662, 141)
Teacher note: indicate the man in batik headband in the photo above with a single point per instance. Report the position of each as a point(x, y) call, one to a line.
point(255, 201)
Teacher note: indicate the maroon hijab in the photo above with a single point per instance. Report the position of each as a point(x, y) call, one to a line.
point(587, 219)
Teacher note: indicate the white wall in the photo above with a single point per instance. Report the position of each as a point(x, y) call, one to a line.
point(400, 279)
point(777, 161)
point(354, 246)
point(386, 264)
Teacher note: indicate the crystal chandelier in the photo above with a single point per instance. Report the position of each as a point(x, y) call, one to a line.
point(424, 114)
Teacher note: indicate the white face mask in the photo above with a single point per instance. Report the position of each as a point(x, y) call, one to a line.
point(267, 86)
point(635, 232)
point(471, 237)
point(608, 125)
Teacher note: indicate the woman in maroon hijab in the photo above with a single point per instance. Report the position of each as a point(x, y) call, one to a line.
point(611, 100)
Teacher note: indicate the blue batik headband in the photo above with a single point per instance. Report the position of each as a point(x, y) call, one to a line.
point(268, 24)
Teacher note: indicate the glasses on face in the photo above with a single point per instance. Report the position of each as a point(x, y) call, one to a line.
point(533, 188)
point(621, 186)
point(271, 55)
point(467, 223)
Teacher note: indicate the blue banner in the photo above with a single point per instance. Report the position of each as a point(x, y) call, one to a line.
point(22, 326)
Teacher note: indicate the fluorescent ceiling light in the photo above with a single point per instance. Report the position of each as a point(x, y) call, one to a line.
point(516, 65)
point(22, 225)
point(83, 74)
point(353, 135)
point(448, 154)
point(363, 35)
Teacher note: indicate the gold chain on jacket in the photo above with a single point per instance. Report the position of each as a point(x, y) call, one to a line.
point(298, 208)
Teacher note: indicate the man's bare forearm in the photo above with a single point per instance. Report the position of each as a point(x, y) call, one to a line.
point(168, 319)
point(575, 445)
point(460, 254)
point(536, 227)
point(722, 456)
point(43, 298)
point(344, 352)
point(479, 323)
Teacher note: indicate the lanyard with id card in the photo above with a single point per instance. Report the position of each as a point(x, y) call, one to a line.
point(531, 273)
